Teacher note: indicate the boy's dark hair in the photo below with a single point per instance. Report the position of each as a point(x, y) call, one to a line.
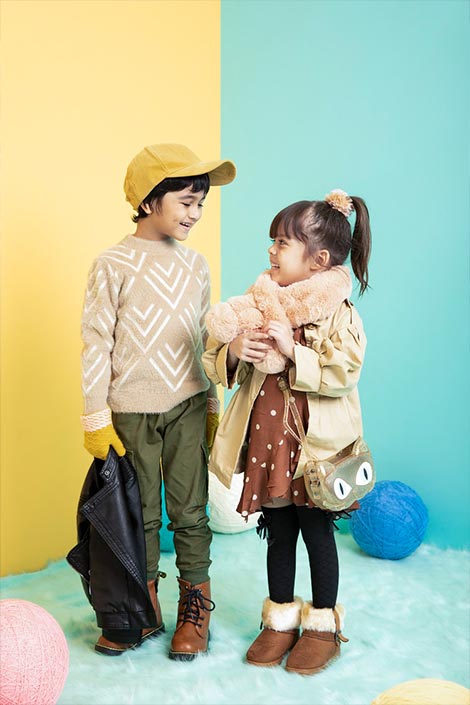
point(321, 227)
point(195, 183)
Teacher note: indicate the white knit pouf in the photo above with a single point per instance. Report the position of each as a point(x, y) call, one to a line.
point(223, 517)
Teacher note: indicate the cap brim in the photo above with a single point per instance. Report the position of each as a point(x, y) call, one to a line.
point(220, 173)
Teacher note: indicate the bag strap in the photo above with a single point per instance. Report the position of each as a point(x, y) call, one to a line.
point(289, 403)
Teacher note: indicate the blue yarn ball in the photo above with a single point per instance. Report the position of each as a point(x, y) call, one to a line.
point(391, 521)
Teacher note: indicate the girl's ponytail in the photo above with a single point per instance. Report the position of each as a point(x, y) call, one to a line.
point(361, 243)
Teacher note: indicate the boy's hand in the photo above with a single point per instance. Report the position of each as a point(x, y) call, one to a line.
point(100, 434)
point(284, 337)
point(212, 424)
point(212, 421)
point(250, 347)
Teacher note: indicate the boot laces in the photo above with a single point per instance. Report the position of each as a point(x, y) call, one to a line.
point(193, 603)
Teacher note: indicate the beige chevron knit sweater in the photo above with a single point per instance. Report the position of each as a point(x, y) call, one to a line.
point(143, 327)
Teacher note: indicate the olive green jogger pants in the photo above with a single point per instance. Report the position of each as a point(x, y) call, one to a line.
point(171, 446)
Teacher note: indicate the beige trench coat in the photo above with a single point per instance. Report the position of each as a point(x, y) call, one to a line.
point(327, 368)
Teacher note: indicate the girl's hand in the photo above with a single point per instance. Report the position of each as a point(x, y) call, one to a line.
point(250, 347)
point(284, 337)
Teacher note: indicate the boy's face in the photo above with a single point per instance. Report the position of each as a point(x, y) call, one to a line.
point(176, 214)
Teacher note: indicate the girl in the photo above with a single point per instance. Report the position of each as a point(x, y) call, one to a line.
point(323, 342)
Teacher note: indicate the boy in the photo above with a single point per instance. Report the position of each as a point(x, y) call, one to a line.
point(145, 390)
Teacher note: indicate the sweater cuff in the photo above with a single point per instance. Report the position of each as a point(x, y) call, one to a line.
point(93, 422)
point(213, 405)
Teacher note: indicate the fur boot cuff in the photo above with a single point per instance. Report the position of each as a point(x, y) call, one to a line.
point(321, 620)
point(282, 616)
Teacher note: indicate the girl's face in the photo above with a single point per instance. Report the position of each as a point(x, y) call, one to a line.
point(176, 214)
point(289, 261)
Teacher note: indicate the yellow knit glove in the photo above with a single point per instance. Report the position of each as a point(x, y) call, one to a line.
point(100, 434)
point(212, 422)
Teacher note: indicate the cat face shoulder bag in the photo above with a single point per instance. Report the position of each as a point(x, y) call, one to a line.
point(333, 484)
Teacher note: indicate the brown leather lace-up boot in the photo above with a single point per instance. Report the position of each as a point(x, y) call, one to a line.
point(280, 623)
point(320, 642)
point(113, 648)
point(191, 635)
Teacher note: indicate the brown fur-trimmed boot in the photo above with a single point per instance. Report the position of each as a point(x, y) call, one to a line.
point(281, 622)
point(191, 635)
point(320, 642)
point(113, 648)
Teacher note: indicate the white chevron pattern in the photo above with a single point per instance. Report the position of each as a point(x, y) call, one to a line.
point(127, 258)
point(177, 383)
point(142, 343)
point(143, 319)
point(172, 302)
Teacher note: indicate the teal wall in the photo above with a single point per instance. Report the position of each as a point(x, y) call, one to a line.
point(371, 97)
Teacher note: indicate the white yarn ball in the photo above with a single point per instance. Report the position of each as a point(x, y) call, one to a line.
point(223, 515)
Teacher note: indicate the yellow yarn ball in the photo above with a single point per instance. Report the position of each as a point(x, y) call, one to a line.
point(425, 691)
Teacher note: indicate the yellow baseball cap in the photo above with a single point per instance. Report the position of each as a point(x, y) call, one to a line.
point(160, 161)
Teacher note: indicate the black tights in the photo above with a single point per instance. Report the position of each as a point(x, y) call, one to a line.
point(283, 526)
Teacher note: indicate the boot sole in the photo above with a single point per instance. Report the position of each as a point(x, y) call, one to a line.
point(188, 655)
point(110, 651)
point(184, 655)
point(311, 671)
point(158, 631)
point(268, 664)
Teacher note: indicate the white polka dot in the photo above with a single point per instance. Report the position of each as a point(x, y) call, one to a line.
point(269, 446)
point(257, 427)
point(253, 460)
point(288, 474)
point(281, 442)
point(244, 513)
point(285, 433)
point(255, 496)
point(261, 393)
point(263, 465)
point(292, 454)
point(273, 412)
point(272, 466)
point(247, 479)
point(296, 492)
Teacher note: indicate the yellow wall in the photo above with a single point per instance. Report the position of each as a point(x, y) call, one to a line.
point(85, 86)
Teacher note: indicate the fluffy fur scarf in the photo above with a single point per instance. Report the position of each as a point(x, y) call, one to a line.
point(307, 301)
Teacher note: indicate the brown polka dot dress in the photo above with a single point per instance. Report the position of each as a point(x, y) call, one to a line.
point(273, 453)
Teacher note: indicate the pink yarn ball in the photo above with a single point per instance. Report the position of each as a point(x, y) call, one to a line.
point(34, 655)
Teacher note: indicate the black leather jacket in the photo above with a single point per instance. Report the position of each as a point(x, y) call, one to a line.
point(110, 553)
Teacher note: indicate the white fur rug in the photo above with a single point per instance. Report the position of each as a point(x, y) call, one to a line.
point(405, 620)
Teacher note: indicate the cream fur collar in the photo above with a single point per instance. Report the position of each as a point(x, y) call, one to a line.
point(308, 301)
point(296, 305)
